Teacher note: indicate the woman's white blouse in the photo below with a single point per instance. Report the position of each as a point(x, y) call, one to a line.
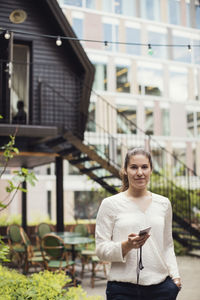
point(118, 216)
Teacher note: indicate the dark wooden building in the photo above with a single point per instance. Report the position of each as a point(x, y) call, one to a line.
point(44, 88)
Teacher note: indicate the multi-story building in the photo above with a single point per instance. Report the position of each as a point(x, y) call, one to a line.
point(147, 59)
point(156, 87)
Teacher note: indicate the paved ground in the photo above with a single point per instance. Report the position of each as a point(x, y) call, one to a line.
point(190, 273)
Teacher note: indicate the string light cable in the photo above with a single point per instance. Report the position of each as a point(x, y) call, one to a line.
point(58, 40)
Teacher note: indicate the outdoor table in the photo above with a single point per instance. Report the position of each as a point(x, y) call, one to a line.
point(73, 239)
point(66, 234)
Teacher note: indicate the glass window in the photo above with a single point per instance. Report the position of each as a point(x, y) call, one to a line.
point(190, 124)
point(181, 53)
point(91, 122)
point(126, 119)
point(107, 6)
point(150, 9)
point(196, 51)
point(196, 85)
point(133, 36)
point(197, 12)
point(87, 203)
point(149, 121)
point(100, 79)
point(178, 86)
point(193, 124)
point(188, 9)
point(165, 122)
point(125, 7)
point(77, 25)
point(150, 80)
point(174, 11)
point(111, 34)
point(73, 2)
point(122, 79)
point(90, 4)
point(158, 38)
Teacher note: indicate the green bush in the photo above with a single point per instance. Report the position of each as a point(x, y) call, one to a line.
point(39, 286)
point(179, 249)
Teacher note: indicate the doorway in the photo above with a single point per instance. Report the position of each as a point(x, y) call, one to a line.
point(20, 82)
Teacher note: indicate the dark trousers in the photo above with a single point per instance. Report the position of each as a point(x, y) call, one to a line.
point(166, 290)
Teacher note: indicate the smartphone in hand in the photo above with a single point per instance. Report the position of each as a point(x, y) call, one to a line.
point(144, 231)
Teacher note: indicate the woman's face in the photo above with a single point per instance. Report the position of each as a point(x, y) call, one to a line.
point(138, 171)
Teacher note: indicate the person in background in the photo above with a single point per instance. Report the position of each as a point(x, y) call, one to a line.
point(20, 117)
point(143, 267)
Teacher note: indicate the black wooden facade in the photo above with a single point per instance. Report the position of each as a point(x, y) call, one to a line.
point(53, 82)
point(59, 78)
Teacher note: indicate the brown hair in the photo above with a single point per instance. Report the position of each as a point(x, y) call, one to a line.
point(129, 154)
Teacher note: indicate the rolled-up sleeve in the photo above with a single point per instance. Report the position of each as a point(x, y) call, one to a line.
point(106, 248)
point(169, 253)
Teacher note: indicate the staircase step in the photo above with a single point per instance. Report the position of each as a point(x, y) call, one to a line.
point(55, 142)
point(86, 170)
point(79, 160)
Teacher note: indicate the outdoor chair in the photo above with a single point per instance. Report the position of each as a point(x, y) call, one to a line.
point(41, 230)
point(97, 267)
point(33, 256)
point(53, 247)
point(15, 242)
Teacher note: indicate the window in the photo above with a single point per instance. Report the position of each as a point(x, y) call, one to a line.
point(150, 79)
point(49, 206)
point(156, 37)
point(100, 80)
point(193, 124)
point(196, 84)
point(91, 123)
point(80, 3)
point(150, 9)
point(165, 122)
point(77, 25)
point(126, 119)
point(174, 11)
point(188, 9)
point(133, 36)
point(181, 53)
point(149, 121)
point(125, 7)
point(197, 12)
point(20, 84)
point(110, 32)
point(122, 79)
point(190, 124)
point(87, 203)
point(178, 85)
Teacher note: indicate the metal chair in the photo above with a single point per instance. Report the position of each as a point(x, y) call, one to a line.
point(33, 256)
point(53, 247)
point(15, 242)
point(41, 230)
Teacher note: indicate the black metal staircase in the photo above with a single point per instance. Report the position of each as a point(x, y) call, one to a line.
point(100, 157)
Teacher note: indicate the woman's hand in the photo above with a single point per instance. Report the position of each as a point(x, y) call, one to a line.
point(177, 281)
point(134, 242)
point(137, 241)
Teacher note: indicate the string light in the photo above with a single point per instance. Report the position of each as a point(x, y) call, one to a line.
point(150, 51)
point(106, 44)
point(7, 35)
point(189, 48)
point(58, 41)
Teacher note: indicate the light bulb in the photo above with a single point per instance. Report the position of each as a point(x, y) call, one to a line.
point(189, 48)
point(106, 45)
point(7, 35)
point(58, 41)
point(150, 51)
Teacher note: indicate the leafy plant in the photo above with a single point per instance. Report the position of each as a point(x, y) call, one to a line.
point(39, 286)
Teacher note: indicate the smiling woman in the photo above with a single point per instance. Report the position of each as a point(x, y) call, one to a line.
point(119, 222)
